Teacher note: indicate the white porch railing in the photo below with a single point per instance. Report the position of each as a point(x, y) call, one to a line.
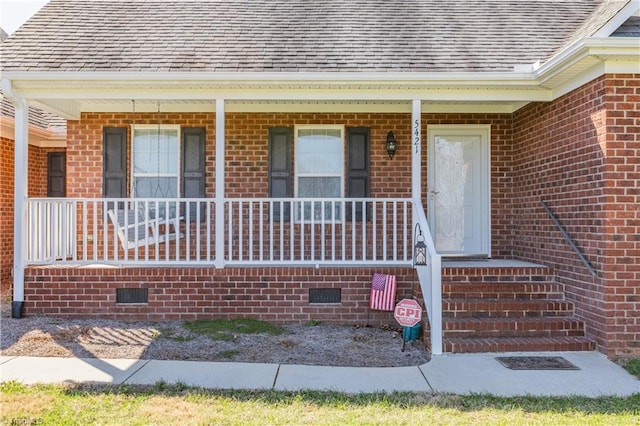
point(430, 278)
point(51, 230)
point(258, 231)
point(315, 231)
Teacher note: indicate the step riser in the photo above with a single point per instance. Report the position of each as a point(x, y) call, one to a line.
point(509, 291)
point(556, 328)
point(492, 294)
point(514, 345)
point(505, 309)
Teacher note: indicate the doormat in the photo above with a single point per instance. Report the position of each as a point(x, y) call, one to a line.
point(536, 363)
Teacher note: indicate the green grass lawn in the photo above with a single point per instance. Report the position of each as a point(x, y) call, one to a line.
point(164, 404)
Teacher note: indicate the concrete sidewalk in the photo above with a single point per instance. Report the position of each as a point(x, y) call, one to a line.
point(460, 374)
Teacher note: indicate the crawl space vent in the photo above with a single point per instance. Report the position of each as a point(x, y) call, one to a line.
point(132, 295)
point(325, 295)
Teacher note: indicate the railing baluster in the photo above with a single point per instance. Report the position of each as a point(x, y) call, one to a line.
point(322, 229)
point(302, 220)
point(405, 226)
point(250, 248)
point(260, 230)
point(333, 230)
point(291, 229)
point(271, 230)
point(312, 230)
point(281, 218)
point(240, 231)
point(364, 231)
point(230, 229)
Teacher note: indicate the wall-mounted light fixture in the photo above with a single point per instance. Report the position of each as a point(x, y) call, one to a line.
point(392, 145)
point(419, 247)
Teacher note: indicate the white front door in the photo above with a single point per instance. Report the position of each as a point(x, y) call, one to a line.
point(459, 189)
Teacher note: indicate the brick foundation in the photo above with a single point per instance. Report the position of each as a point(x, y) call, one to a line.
point(270, 294)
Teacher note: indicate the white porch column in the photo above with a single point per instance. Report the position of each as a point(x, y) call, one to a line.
point(220, 193)
point(20, 193)
point(416, 149)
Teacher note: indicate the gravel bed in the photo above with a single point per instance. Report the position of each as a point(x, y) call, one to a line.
point(321, 344)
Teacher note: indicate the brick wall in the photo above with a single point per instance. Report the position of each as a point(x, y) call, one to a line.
point(246, 170)
point(6, 211)
point(37, 188)
point(579, 153)
point(622, 224)
point(246, 154)
point(271, 294)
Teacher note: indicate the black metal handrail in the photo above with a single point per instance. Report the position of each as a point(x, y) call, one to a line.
point(568, 238)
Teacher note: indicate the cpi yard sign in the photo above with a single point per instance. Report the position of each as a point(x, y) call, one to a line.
point(408, 312)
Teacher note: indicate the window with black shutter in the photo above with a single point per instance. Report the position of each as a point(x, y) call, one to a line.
point(56, 174)
point(193, 169)
point(280, 169)
point(358, 168)
point(114, 177)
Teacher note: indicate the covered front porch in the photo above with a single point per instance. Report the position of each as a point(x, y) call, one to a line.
point(243, 230)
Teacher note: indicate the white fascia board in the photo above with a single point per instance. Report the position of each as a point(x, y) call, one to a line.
point(282, 78)
point(301, 93)
point(622, 67)
point(617, 48)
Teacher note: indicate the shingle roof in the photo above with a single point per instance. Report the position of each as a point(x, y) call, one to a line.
point(297, 35)
point(631, 28)
point(37, 117)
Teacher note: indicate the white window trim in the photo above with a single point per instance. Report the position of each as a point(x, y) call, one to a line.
point(134, 175)
point(297, 174)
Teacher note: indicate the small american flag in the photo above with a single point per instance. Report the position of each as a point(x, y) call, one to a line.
point(383, 292)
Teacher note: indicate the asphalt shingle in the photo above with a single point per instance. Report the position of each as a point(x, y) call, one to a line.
point(297, 35)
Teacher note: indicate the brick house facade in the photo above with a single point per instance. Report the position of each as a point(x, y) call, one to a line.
point(570, 162)
point(564, 130)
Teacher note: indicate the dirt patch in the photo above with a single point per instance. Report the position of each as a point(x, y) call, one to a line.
point(299, 344)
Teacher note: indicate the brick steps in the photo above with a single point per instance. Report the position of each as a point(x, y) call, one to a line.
point(481, 308)
point(517, 344)
point(508, 327)
point(508, 310)
point(502, 290)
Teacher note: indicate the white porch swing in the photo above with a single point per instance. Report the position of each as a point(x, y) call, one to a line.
point(141, 223)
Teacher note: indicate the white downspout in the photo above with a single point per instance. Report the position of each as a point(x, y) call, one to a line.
point(220, 193)
point(20, 193)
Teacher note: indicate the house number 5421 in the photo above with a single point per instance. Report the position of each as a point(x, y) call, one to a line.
point(416, 135)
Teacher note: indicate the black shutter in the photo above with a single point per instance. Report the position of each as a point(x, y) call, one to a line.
point(114, 183)
point(358, 168)
point(280, 168)
point(193, 168)
point(56, 174)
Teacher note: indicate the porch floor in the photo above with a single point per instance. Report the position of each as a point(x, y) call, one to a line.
point(488, 263)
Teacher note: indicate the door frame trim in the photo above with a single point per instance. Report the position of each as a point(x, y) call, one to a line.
point(484, 130)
